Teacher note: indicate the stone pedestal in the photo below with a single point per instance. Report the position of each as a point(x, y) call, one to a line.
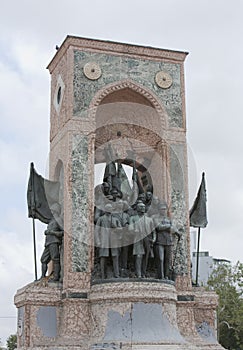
point(115, 315)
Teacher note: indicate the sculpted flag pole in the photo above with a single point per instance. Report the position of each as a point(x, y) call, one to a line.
point(41, 194)
point(31, 209)
point(198, 215)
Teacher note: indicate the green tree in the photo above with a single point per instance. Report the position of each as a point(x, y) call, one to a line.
point(12, 342)
point(227, 281)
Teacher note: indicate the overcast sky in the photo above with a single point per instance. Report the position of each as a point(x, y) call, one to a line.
point(210, 30)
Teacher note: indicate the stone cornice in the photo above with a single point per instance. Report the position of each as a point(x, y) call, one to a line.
point(133, 292)
point(38, 293)
point(111, 47)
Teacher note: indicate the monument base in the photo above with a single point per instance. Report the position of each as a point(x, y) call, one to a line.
point(116, 315)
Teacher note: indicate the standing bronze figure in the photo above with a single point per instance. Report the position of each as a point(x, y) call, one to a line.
point(107, 240)
point(53, 241)
point(164, 242)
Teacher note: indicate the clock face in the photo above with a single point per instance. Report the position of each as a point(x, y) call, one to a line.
point(92, 70)
point(163, 80)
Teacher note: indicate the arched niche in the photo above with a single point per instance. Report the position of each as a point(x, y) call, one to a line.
point(59, 176)
point(130, 119)
point(137, 147)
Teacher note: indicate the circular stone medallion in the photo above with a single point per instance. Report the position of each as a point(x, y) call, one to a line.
point(92, 70)
point(163, 79)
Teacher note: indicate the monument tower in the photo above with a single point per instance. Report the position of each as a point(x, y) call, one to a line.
point(118, 111)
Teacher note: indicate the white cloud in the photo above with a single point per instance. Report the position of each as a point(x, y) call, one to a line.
point(22, 107)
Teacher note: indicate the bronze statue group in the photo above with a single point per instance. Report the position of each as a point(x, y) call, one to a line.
point(130, 232)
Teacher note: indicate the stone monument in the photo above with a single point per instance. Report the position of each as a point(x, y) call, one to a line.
point(125, 279)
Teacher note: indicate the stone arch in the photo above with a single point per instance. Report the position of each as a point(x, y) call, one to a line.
point(59, 176)
point(58, 170)
point(127, 84)
point(135, 112)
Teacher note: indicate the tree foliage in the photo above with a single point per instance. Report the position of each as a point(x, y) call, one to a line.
point(12, 342)
point(227, 281)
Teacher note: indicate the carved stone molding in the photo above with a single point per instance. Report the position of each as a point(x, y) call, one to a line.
point(116, 48)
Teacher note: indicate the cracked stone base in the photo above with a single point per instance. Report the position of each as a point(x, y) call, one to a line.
point(121, 315)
